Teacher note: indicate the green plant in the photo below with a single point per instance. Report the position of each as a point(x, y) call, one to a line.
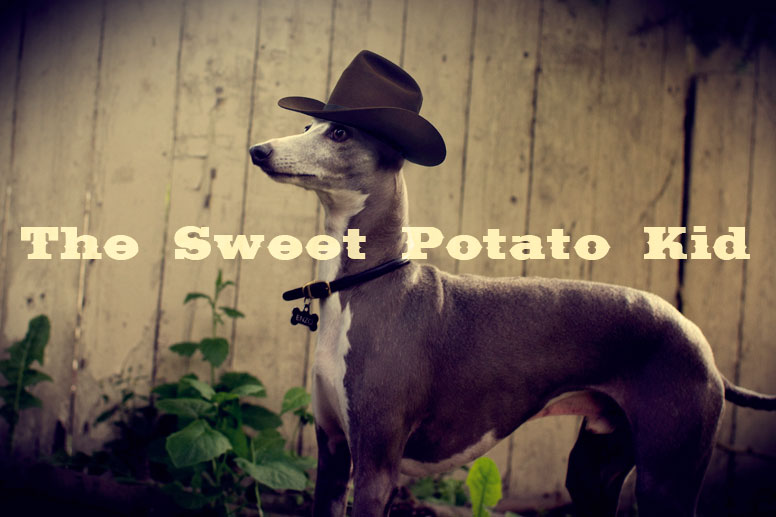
point(440, 489)
point(206, 444)
point(19, 374)
point(484, 482)
point(222, 438)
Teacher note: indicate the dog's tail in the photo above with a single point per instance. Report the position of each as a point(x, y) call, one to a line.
point(748, 398)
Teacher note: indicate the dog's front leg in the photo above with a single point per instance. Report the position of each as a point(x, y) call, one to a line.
point(331, 485)
point(376, 457)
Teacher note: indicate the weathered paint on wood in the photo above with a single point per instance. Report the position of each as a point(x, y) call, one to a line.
point(182, 89)
point(638, 163)
point(133, 153)
point(209, 167)
point(438, 56)
point(755, 429)
point(719, 183)
point(10, 25)
point(52, 159)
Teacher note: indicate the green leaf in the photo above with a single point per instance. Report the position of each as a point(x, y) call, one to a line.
point(28, 400)
point(186, 348)
point(38, 332)
point(231, 380)
point(195, 443)
point(484, 482)
point(167, 390)
point(249, 389)
point(32, 377)
point(9, 370)
point(423, 488)
point(214, 349)
point(237, 438)
point(232, 313)
point(223, 396)
point(295, 398)
point(186, 407)
point(259, 418)
point(194, 296)
point(203, 388)
point(278, 475)
point(105, 415)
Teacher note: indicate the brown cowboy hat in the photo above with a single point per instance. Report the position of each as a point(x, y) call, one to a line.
point(377, 96)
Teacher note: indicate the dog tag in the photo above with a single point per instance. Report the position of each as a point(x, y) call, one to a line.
point(305, 317)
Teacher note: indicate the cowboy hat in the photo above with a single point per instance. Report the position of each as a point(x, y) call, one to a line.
point(375, 95)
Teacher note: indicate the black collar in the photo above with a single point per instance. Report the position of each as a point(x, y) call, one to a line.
point(321, 289)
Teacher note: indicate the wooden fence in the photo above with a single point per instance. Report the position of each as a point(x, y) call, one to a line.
point(134, 117)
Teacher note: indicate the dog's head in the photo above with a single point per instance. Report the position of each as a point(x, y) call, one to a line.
point(328, 156)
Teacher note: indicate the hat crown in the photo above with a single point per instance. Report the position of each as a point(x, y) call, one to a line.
point(373, 81)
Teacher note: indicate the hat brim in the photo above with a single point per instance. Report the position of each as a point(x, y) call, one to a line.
point(414, 136)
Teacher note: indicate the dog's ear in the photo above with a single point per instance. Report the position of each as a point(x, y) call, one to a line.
point(389, 159)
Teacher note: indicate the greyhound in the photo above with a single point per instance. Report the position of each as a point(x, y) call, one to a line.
point(419, 371)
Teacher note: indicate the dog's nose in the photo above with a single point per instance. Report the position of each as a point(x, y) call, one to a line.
point(260, 153)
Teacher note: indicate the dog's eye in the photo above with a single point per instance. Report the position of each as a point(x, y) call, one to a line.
point(307, 127)
point(339, 134)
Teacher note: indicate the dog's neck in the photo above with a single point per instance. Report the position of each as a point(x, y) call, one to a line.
point(379, 216)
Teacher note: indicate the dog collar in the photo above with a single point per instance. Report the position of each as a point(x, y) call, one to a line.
point(321, 289)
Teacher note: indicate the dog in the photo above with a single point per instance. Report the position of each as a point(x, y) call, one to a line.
point(420, 371)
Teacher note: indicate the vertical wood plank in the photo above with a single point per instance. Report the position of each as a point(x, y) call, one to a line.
point(562, 185)
point(719, 184)
point(294, 42)
point(358, 25)
point(133, 161)
point(11, 27)
point(437, 54)
point(638, 169)
point(755, 429)
point(209, 167)
point(53, 146)
point(499, 138)
point(566, 137)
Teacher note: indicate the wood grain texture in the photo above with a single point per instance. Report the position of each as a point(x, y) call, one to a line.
point(495, 192)
point(554, 114)
point(133, 163)
point(437, 55)
point(52, 157)
point(209, 167)
point(755, 429)
point(638, 165)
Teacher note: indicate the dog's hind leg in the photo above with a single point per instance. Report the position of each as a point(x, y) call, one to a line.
point(673, 440)
point(598, 465)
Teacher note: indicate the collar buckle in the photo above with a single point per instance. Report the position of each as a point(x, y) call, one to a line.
point(316, 289)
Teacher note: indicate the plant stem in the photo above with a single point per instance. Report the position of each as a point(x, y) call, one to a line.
point(256, 483)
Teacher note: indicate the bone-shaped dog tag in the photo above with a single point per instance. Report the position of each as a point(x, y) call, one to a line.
point(304, 317)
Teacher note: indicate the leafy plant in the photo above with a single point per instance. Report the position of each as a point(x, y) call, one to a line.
point(223, 438)
point(484, 482)
point(206, 444)
point(440, 489)
point(20, 375)
point(214, 349)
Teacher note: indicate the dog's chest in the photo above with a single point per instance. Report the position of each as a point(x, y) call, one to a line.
point(330, 402)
